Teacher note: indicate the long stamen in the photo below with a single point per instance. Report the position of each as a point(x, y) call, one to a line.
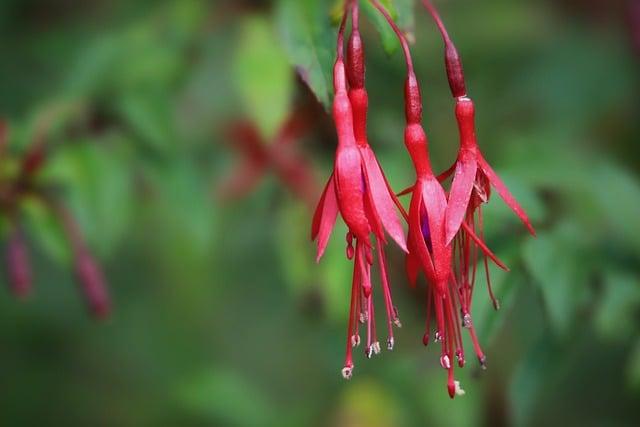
point(347, 371)
point(386, 290)
point(476, 347)
point(494, 300)
point(425, 338)
point(475, 259)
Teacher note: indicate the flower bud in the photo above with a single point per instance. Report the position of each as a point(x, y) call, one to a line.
point(18, 265)
point(455, 73)
point(355, 60)
point(92, 284)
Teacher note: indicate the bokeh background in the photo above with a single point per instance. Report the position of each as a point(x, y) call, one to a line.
point(160, 120)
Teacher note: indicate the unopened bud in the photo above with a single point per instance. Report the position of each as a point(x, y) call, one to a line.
point(92, 283)
point(455, 74)
point(18, 265)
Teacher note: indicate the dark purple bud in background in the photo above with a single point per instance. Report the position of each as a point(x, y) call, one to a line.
point(92, 284)
point(18, 265)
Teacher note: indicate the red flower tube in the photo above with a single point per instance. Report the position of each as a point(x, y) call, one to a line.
point(358, 190)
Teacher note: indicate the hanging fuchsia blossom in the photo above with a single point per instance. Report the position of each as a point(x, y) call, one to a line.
point(358, 190)
point(473, 178)
point(443, 242)
point(429, 249)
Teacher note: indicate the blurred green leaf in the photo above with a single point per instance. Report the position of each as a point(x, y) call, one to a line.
point(406, 15)
point(149, 115)
point(97, 182)
point(560, 270)
point(537, 372)
point(45, 229)
point(263, 76)
point(387, 35)
point(309, 40)
point(617, 309)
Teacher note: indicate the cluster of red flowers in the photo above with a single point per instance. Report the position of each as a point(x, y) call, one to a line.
point(445, 235)
point(13, 190)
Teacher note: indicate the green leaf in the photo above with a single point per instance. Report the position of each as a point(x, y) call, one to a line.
point(406, 16)
point(263, 76)
point(560, 268)
point(536, 372)
point(97, 185)
point(387, 35)
point(150, 118)
point(309, 41)
point(615, 316)
point(45, 229)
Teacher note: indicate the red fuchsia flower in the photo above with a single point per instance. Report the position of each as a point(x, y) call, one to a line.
point(358, 190)
point(472, 181)
point(429, 250)
point(280, 155)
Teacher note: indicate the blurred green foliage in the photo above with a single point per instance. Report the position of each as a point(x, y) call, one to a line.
point(221, 315)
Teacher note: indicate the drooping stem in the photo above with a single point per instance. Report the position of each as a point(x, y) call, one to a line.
point(401, 37)
point(340, 42)
point(455, 74)
point(438, 20)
